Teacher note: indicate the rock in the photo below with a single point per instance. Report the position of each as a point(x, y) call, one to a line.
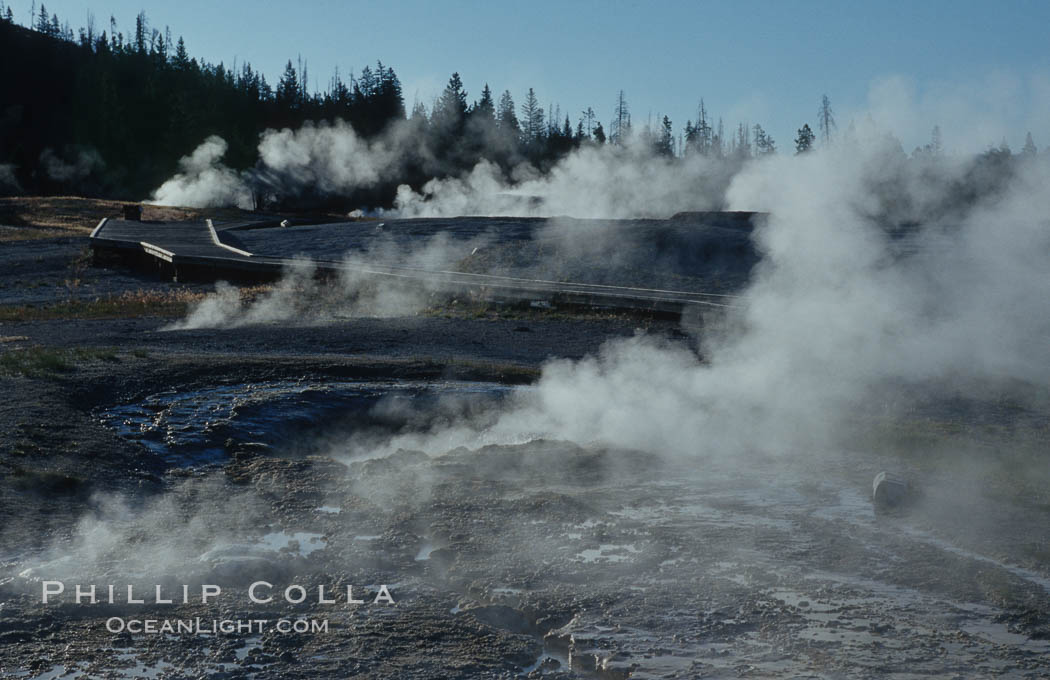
point(890, 491)
point(503, 617)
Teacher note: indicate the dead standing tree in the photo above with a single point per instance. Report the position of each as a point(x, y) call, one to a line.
point(827, 120)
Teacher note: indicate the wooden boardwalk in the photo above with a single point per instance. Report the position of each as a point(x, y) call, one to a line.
point(211, 251)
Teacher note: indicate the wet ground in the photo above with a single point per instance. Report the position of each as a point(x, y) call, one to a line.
point(263, 454)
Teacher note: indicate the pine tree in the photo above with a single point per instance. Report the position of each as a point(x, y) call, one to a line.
point(288, 90)
point(389, 99)
point(827, 120)
point(450, 110)
point(665, 140)
point(599, 133)
point(689, 146)
point(703, 134)
point(805, 139)
point(419, 114)
point(764, 144)
point(621, 124)
point(507, 118)
point(532, 118)
point(1029, 146)
point(485, 106)
point(141, 29)
point(43, 22)
point(181, 60)
point(588, 121)
point(742, 146)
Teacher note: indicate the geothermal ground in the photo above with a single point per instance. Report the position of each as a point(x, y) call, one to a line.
point(134, 455)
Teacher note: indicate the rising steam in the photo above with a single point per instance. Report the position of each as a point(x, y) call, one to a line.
point(846, 314)
point(879, 273)
point(203, 181)
point(331, 159)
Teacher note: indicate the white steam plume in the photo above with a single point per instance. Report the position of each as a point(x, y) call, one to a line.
point(834, 319)
point(299, 296)
point(843, 318)
point(8, 182)
point(204, 182)
point(594, 181)
point(86, 162)
point(331, 159)
point(328, 157)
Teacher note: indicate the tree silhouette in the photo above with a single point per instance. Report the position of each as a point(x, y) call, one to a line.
point(485, 106)
point(665, 139)
point(587, 121)
point(1029, 146)
point(288, 90)
point(621, 124)
point(764, 144)
point(805, 139)
point(142, 102)
point(450, 109)
point(506, 118)
point(599, 133)
point(827, 120)
point(532, 118)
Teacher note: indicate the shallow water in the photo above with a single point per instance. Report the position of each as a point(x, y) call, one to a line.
point(201, 426)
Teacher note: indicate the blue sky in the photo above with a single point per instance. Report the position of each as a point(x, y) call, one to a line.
point(981, 70)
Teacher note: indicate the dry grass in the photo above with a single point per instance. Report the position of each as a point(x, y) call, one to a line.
point(129, 304)
point(35, 217)
point(122, 306)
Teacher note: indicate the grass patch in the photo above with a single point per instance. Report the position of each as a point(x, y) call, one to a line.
point(8, 233)
point(125, 305)
point(37, 360)
point(36, 217)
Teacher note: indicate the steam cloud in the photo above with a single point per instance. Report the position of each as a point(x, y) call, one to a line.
point(8, 182)
point(846, 309)
point(595, 182)
point(86, 162)
point(844, 316)
point(203, 181)
point(330, 158)
point(301, 298)
point(837, 319)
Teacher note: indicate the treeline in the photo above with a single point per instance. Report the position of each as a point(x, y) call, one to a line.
point(103, 113)
point(100, 112)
